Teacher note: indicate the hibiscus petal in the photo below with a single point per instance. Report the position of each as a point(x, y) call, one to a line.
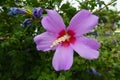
point(92, 43)
point(63, 58)
point(84, 50)
point(53, 22)
point(44, 41)
point(83, 22)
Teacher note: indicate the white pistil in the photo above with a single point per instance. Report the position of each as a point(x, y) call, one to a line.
point(61, 39)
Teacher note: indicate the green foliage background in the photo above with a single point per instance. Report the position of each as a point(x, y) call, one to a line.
point(19, 59)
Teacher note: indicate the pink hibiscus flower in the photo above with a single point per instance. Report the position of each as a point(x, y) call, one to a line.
point(65, 40)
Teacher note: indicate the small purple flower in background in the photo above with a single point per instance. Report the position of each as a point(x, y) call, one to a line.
point(114, 41)
point(88, 71)
point(28, 50)
point(27, 22)
point(108, 33)
point(64, 41)
point(16, 11)
point(95, 33)
point(99, 3)
point(95, 72)
point(37, 12)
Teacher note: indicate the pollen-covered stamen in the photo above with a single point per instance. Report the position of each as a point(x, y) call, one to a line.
point(60, 40)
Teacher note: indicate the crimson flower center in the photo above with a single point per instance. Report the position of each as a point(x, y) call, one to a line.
point(64, 38)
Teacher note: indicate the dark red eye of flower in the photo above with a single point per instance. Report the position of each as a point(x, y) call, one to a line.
point(72, 37)
point(65, 38)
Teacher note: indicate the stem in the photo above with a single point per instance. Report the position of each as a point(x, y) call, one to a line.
point(104, 6)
